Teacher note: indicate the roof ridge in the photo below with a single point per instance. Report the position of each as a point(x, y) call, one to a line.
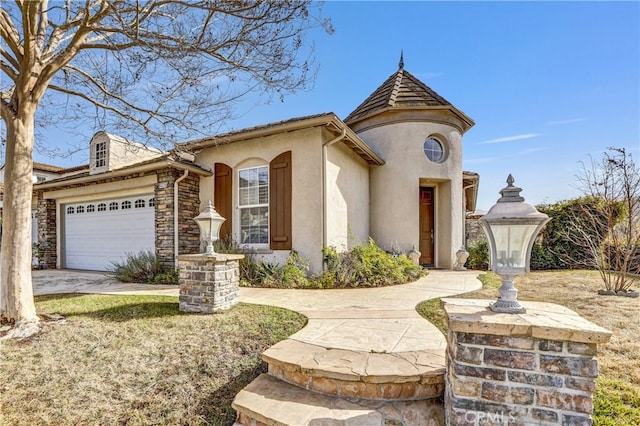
point(396, 88)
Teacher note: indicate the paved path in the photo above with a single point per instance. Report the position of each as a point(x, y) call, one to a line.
point(372, 319)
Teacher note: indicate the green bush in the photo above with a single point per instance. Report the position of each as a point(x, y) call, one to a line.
point(478, 255)
point(143, 267)
point(367, 265)
point(293, 274)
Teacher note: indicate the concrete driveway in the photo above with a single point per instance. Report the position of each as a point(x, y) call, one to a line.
point(57, 281)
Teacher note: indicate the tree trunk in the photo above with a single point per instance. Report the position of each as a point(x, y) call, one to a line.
point(16, 292)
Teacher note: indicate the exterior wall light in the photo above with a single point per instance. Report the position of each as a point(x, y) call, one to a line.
point(209, 221)
point(511, 226)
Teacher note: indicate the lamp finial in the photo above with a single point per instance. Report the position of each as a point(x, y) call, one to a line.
point(510, 193)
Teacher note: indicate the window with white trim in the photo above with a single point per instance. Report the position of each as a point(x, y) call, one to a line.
point(100, 154)
point(253, 202)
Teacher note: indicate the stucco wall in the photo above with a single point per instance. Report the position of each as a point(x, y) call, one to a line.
point(306, 157)
point(395, 215)
point(347, 183)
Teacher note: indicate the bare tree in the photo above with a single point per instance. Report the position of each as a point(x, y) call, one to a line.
point(163, 70)
point(608, 226)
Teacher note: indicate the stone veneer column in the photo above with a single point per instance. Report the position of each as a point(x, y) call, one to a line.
point(47, 232)
point(519, 369)
point(208, 283)
point(188, 204)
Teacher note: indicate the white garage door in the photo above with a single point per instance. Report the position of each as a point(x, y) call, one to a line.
point(100, 232)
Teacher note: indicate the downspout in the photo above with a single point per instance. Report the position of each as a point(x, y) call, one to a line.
point(324, 184)
point(175, 218)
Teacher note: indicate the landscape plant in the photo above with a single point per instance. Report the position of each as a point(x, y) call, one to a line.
point(143, 267)
point(478, 254)
point(609, 228)
point(364, 265)
point(367, 265)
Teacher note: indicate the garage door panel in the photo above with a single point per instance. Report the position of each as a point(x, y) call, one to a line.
point(95, 239)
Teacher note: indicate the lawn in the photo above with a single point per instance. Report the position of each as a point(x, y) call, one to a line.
point(617, 398)
point(135, 360)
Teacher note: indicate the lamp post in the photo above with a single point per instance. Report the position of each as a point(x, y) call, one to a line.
point(511, 226)
point(209, 221)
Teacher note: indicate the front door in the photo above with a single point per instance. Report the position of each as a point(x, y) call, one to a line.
point(426, 226)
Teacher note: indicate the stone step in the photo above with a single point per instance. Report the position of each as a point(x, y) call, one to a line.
point(416, 375)
point(268, 401)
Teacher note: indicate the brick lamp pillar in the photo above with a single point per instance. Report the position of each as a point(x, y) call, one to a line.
point(208, 283)
point(533, 368)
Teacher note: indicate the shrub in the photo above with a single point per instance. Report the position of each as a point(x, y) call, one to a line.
point(293, 274)
point(367, 265)
point(143, 267)
point(478, 255)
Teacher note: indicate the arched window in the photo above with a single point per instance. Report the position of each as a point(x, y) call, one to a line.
point(113, 205)
point(70, 210)
point(80, 209)
point(126, 205)
point(102, 207)
point(91, 208)
point(140, 204)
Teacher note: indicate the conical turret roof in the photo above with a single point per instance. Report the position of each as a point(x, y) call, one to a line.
point(403, 91)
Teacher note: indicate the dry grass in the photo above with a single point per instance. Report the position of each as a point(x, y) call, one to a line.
point(135, 360)
point(617, 400)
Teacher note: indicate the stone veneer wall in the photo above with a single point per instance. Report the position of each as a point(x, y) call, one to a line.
point(188, 208)
point(208, 283)
point(473, 229)
point(534, 368)
point(47, 232)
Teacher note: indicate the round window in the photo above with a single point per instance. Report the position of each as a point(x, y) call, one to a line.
point(434, 150)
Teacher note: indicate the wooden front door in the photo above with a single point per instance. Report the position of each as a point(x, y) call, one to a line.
point(426, 226)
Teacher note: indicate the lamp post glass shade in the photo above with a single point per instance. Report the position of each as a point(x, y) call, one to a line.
point(209, 221)
point(511, 226)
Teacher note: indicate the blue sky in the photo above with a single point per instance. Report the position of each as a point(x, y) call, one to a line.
point(547, 83)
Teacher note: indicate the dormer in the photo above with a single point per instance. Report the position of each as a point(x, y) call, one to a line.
point(110, 152)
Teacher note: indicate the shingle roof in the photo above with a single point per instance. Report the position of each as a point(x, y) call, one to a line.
point(403, 91)
point(325, 119)
point(47, 167)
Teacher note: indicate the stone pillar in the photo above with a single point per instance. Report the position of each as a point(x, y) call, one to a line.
point(208, 283)
point(520, 369)
point(47, 229)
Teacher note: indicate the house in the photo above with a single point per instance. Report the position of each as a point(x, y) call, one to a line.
point(391, 170)
point(124, 201)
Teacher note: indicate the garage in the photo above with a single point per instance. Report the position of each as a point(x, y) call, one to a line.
point(99, 232)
